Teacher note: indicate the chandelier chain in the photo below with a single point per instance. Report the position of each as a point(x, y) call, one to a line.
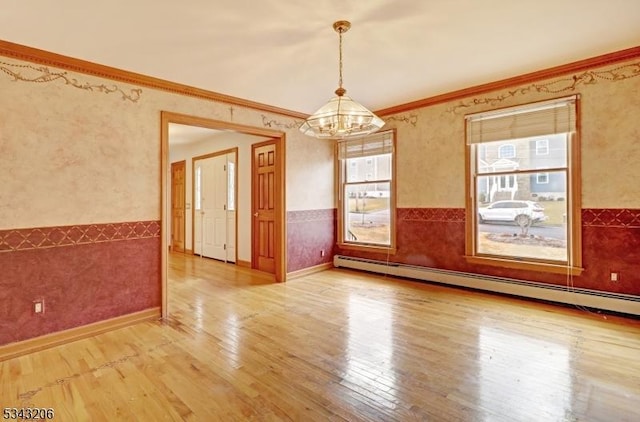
point(340, 47)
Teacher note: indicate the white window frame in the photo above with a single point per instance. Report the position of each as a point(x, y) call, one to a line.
point(542, 147)
point(537, 119)
point(382, 142)
point(512, 147)
point(542, 180)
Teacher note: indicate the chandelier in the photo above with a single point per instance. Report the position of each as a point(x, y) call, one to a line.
point(341, 117)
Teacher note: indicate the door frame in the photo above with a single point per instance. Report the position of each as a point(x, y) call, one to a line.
point(193, 195)
point(279, 137)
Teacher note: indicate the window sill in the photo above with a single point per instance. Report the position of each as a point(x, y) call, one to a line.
point(525, 265)
point(368, 248)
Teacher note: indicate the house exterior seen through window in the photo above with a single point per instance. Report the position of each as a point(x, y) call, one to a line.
point(507, 150)
point(366, 191)
point(524, 210)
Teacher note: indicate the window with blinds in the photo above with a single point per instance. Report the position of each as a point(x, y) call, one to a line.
point(366, 191)
point(524, 185)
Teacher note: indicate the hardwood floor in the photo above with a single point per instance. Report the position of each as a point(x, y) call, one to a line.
point(338, 345)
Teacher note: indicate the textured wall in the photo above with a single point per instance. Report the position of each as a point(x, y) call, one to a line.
point(431, 178)
point(308, 233)
point(79, 150)
point(73, 156)
point(431, 140)
point(84, 273)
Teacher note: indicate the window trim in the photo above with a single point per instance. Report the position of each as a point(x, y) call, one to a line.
point(574, 207)
point(340, 178)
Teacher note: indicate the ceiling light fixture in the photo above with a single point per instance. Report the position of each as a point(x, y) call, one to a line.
point(341, 117)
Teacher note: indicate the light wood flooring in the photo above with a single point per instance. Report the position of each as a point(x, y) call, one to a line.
point(338, 345)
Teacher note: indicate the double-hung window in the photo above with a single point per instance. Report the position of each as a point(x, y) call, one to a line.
point(523, 209)
point(366, 191)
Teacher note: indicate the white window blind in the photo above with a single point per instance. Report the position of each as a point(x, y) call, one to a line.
point(376, 144)
point(539, 119)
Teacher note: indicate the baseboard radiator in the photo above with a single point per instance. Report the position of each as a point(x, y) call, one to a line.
point(616, 302)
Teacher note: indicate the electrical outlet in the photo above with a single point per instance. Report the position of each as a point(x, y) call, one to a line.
point(322, 253)
point(38, 306)
point(614, 276)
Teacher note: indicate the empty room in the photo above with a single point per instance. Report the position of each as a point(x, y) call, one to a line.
point(344, 210)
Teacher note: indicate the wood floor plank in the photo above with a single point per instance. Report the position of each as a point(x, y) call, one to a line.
point(338, 345)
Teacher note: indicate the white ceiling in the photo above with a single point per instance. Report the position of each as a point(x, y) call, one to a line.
point(285, 53)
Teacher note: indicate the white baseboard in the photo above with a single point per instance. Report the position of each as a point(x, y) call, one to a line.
point(616, 302)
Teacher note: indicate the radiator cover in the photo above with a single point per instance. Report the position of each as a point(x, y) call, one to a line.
point(616, 302)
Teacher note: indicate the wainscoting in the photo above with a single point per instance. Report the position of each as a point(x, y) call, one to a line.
point(83, 274)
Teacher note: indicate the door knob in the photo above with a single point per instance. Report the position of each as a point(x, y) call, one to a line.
point(255, 215)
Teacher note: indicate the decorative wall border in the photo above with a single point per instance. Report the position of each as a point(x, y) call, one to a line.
point(266, 122)
point(591, 217)
point(440, 215)
point(411, 119)
point(553, 72)
point(13, 240)
point(24, 53)
point(557, 86)
point(311, 215)
point(42, 74)
point(611, 217)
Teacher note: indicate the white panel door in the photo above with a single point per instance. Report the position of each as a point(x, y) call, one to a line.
point(214, 221)
point(214, 206)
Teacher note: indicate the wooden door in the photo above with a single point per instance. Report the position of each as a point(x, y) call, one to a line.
point(264, 190)
point(177, 205)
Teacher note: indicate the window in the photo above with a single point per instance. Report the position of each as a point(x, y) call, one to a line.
point(524, 210)
point(198, 188)
point(366, 197)
point(506, 183)
point(231, 186)
point(542, 178)
point(542, 147)
point(507, 151)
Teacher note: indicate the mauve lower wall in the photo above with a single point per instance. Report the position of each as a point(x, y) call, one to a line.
point(84, 273)
point(308, 233)
point(436, 238)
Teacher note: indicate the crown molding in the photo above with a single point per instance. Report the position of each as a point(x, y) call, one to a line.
point(34, 55)
point(578, 66)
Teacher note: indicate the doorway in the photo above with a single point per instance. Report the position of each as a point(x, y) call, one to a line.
point(278, 227)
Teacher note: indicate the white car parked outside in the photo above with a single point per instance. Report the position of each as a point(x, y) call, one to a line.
point(520, 212)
